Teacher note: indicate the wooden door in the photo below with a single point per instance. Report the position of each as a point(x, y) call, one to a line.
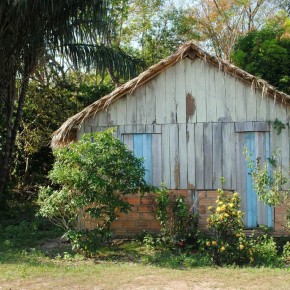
point(256, 212)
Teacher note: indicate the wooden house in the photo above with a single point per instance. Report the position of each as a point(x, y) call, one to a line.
point(190, 116)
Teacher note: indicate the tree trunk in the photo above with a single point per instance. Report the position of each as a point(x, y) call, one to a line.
point(5, 158)
point(11, 132)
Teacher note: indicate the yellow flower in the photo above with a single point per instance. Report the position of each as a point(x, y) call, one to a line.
point(207, 243)
point(240, 212)
point(236, 194)
point(237, 235)
point(214, 243)
point(210, 207)
point(222, 248)
point(220, 203)
point(242, 246)
point(218, 209)
point(231, 205)
point(226, 215)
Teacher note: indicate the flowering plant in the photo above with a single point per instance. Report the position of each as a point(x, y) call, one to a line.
point(228, 244)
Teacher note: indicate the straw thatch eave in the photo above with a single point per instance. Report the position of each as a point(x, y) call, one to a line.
point(67, 132)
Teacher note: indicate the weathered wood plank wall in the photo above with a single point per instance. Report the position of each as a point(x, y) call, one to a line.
point(201, 114)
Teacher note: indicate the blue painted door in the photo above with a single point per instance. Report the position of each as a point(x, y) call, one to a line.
point(257, 213)
point(141, 145)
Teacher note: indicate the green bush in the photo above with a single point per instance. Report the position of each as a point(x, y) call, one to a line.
point(178, 222)
point(227, 244)
point(89, 179)
point(265, 252)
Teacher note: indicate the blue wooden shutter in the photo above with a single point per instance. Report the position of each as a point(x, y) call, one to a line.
point(257, 213)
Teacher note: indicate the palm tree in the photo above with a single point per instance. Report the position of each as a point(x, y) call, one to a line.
point(31, 29)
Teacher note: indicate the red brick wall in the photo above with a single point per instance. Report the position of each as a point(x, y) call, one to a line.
point(141, 218)
point(143, 214)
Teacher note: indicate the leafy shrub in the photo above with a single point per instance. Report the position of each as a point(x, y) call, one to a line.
point(264, 252)
point(178, 223)
point(286, 253)
point(228, 244)
point(89, 179)
point(271, 182)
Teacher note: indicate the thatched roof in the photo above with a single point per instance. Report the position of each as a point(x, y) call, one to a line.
point(67, 132)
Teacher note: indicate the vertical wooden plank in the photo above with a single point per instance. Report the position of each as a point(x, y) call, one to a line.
point(272, 103)
point(128, 140)
point(119, 132)
point(241, 113)
point(241, 172)
point(121, 111)
point(285, 148)
point(232, 154)
point(267, 155)
point(230, 98)
point(182, 155)
point(217, 155)
point(112, 114)
point(170, 99)
point(261, 158)
point(190, 140)
point(281, 112)
point(165, 155)
point(251, 195)
point(147, 154)
point(138, 145)
point(93, 120)
point(174, 157)
point(141, 105)
point(226, 158)
point(156, 159)
point(190, 81)
point(149, 128)
point(87, 127)
point(141, 128)
point(103, 118)
point(131, 108)
point(220, 96)
point(262, 106)
point(208, 156)
point(180, 91)
point(251, 103)
point(200, 90)
point(160, 98)
point(211, 101)
point(151, 101)
point(80, 131)
point(199, 156)
point(157, 128)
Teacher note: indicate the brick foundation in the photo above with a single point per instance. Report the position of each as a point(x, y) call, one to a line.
point(143, 214)
point(141, 218)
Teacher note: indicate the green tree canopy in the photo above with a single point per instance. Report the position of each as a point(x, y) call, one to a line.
point(33, 29)
point(266, 53)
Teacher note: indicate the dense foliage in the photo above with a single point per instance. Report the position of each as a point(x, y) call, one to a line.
point(266, 53)
point(271, 182)
point(89, 179)
point(34, 32)
point(178, 222)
